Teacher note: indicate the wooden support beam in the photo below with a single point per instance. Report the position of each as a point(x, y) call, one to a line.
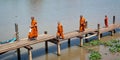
point(58, 48)
point(46, 43)
point(98, 34)
point(28, 47)
point(81, 42)
point(114, 23)
point(53, 41)
point(16, 31)
point(113, 19)
point(112, 33)
point(90, 36)
point(86, 35)
point(29, 54)
point(17, 37)
point(101, 35)
point(68, 42)
point(18, 53)
point(46, 46)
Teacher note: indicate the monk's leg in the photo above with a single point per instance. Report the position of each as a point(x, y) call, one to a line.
point(58, 35)
point(62, 35)
point(80, 28)
point(83, 27)
point(30, 36)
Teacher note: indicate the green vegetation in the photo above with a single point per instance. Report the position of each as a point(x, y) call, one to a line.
point(93, 43)
point(108, 43)
point(95, 55)
point(115, 48)
point(113, 45)
point(112, 49)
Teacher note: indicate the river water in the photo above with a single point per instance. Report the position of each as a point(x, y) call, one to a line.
point(48, 13)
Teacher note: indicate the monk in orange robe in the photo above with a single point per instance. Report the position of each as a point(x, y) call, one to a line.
point(106, 21)
point(60, 31)
point(82, 24)
point(33, 33)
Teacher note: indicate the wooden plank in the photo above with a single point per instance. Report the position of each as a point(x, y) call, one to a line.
point(42, 38)
point(23, 42)
point(110, 28)
point(76, 33)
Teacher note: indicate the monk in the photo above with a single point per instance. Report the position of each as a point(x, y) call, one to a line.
point(60, 31)
point(82, 24)
point(33, 33)
point(106, 21)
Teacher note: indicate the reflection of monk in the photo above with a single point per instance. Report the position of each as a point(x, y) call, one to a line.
point(33, 31)
point(106, 21)
point(82, 24)
point(60, 31)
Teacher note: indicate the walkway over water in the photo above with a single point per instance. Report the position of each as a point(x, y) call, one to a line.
point(51, 38)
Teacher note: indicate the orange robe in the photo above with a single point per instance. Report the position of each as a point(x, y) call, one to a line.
point(60, 31)
point(34, 30)
point(82, 24)
point(106, 21)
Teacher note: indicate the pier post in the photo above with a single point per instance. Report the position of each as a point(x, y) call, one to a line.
point(29, 48)
point(68, 42)
point(29, 54)
point(101, 35)
point(58, 48)
point(18, 53)
point(46, 43)
point(81, 42)
point(46, 46)
point(113, 19)
point(98, 34)
point(16, 31)
point(86, 35)
point(114, 23)
point(112, 33)
point(17, 37)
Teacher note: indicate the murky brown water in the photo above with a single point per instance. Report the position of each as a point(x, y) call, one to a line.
point(80, 53)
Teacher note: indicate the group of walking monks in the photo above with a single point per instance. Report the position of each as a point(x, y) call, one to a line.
point(33, 33)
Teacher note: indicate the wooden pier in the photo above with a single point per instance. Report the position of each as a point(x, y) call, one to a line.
point(25, 43)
